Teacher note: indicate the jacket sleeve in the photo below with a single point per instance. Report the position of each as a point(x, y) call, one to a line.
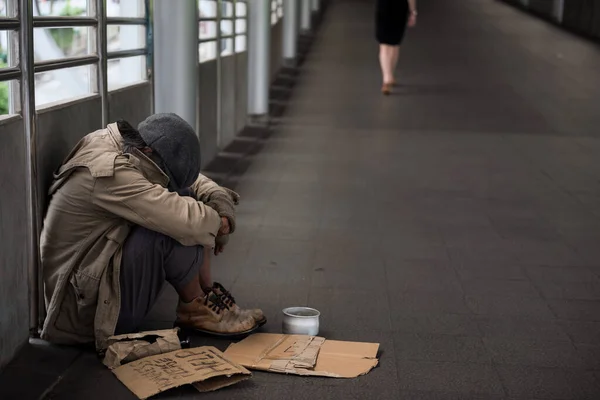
point(129, 195)
point(219, 198)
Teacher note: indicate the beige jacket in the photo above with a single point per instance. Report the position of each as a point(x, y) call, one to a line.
point(97, 195)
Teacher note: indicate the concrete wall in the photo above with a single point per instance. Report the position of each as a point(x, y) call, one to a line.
point(233, 103)
point(583, 16)
point(241, 90)
point(276, 49)
point(14, 297)
point(207, 110)
point(228, 95)
point(544, 7)
point(133, 103)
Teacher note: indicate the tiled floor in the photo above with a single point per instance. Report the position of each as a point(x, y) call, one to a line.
point(456, 222)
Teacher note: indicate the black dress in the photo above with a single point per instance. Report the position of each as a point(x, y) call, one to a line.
point(390, 21)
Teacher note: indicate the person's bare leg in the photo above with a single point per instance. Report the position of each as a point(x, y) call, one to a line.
point(395, 57)
point(382, 60)
point(205, 276)
point(190, 291)
point(385, 61)
point(193, 289)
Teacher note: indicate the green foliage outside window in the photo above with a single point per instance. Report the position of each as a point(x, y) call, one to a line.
point(3, 86)
point(64, 37)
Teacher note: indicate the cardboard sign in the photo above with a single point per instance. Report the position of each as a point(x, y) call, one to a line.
point(130, 347)
point(304, 355)
point(206, 368)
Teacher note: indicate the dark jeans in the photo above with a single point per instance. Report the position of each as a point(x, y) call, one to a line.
point(149, 259)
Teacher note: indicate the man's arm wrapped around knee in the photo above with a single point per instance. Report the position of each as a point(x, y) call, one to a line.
point(221, 199)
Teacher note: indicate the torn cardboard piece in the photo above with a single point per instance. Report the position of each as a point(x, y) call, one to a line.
point(123, 349)
point(206, 368)
point(304, 355)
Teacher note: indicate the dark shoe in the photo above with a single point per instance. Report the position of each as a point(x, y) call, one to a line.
point(386, 89)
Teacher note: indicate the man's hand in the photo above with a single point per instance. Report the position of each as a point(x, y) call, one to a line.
point(219, 249)
point(225, 228)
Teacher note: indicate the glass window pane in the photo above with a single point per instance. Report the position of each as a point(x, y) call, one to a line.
point(126, 37)
point(207, 8)
point(240, 9)
point(273, 5)
point(273, 18)
point(227, 28)
point(8, 8)
point(7, 89)
point(240, 26)
point(6, 52)
point(70, 8)
point(227, 9)
point(125, 8)
point(57, 43)
point(126, 71)
point(227, 47)
point(240, 44)
point(207, 51)
point(63, 84)
point(208, 29)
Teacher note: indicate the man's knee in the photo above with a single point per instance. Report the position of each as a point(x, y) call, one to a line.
point(178, 262)
point(183, 264)
point(149, 259)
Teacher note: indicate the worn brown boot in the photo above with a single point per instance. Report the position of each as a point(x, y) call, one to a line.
point(229, 301)
point(209, 314)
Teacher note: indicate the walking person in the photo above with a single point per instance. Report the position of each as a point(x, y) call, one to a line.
point(391, 19)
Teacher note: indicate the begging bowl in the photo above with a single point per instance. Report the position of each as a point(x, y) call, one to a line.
point(301, 321)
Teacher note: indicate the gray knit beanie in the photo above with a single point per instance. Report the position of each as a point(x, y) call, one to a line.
point(176, 143)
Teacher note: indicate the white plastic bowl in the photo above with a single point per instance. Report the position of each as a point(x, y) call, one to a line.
point(301, 321)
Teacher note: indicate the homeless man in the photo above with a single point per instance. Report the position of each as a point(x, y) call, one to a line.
point(129, 211)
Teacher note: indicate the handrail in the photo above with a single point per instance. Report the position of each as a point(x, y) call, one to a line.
point(63, 22)
point(10, 73)
point(127, 53)
point(125, 21)
point(70, 62)
point(9, 24)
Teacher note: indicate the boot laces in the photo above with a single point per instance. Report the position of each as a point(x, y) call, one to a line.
point(225, 295)
point(213, 301)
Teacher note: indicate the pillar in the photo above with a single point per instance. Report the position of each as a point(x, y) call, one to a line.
point(259, 54)
point(316, 5)
point(306, 16)
point(290, 31)
point(176, 57)
point(559, 6)
point(299, 17)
